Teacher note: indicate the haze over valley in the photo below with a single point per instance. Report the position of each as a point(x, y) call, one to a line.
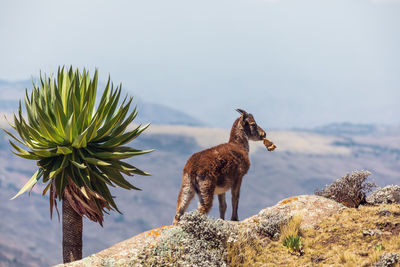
point(305, 160)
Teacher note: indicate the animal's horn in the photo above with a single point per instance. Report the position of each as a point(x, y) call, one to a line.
point(241, 111)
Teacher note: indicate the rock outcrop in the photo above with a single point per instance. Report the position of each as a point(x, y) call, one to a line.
point(311, 208)
point(196, 233)
point(387, 195)
point(329, 234)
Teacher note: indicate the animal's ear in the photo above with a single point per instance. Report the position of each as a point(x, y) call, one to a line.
point(242, 112)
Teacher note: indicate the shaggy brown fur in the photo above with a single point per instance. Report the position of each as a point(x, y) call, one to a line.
point(218, 169)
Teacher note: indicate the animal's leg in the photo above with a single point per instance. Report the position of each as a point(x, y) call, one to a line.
point(206, 196)
point(235, 201)
point(222, 205)
point(186, 194)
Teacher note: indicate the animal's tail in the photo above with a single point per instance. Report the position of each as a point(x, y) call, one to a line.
point(186, 194)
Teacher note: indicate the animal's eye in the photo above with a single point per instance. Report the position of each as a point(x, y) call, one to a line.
point(252, 123)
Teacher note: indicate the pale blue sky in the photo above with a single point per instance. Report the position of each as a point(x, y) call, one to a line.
point(291, 63)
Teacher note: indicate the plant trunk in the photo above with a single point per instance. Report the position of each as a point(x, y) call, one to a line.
point(72, 233)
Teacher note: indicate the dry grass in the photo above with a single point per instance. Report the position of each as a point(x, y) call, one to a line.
point(337, 241)
point(245, 252)
point(292, 228)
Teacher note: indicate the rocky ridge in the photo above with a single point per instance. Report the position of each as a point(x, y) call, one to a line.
point(197, 233)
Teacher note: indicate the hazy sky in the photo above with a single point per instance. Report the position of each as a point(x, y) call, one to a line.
point(292, 63)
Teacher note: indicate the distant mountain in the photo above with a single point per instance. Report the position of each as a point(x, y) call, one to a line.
point(15, 257)
point(12, 92)
point(160, 114)
point(346, 128)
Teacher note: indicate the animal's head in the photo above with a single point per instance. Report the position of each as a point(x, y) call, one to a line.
point(252, 130)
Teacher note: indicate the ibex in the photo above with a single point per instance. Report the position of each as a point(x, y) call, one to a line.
point(220, 168)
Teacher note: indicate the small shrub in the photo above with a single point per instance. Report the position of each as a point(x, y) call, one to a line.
point(387, 260)
point(294, 244)
point(350, 190)
point(198, 241)
point(290, 235)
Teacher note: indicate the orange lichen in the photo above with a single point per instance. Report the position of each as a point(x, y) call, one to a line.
point(156, 232)
point(288, 200)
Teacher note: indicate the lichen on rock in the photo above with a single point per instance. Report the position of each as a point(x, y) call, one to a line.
point(387, 260)
point(387, 195)
point(270, 224)
point(197, 241)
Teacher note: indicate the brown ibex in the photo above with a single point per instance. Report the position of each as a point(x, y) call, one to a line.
point(220, 168)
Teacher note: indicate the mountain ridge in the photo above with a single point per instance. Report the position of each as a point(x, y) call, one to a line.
point(12, 92)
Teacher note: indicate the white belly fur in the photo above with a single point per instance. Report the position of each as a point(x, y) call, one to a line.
point(220, 190)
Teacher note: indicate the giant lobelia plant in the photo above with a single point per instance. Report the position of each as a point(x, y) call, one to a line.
point(78, 146)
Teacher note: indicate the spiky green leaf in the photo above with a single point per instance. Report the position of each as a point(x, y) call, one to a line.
point(64, 150)
point(31, 182)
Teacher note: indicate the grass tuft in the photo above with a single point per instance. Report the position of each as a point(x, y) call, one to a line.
point(292, 228)
point(294, 244)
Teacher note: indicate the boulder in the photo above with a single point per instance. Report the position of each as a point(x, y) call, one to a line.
point(311, 208)
point(387, 195)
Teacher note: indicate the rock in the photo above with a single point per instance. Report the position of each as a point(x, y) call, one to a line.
point(387, 260)
point(121, 253)
point(312, 208)
point(270, 225)
point(372, 232)
point(386, 213)
point(317, 259)
point(387, 195)
point(199, 240)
